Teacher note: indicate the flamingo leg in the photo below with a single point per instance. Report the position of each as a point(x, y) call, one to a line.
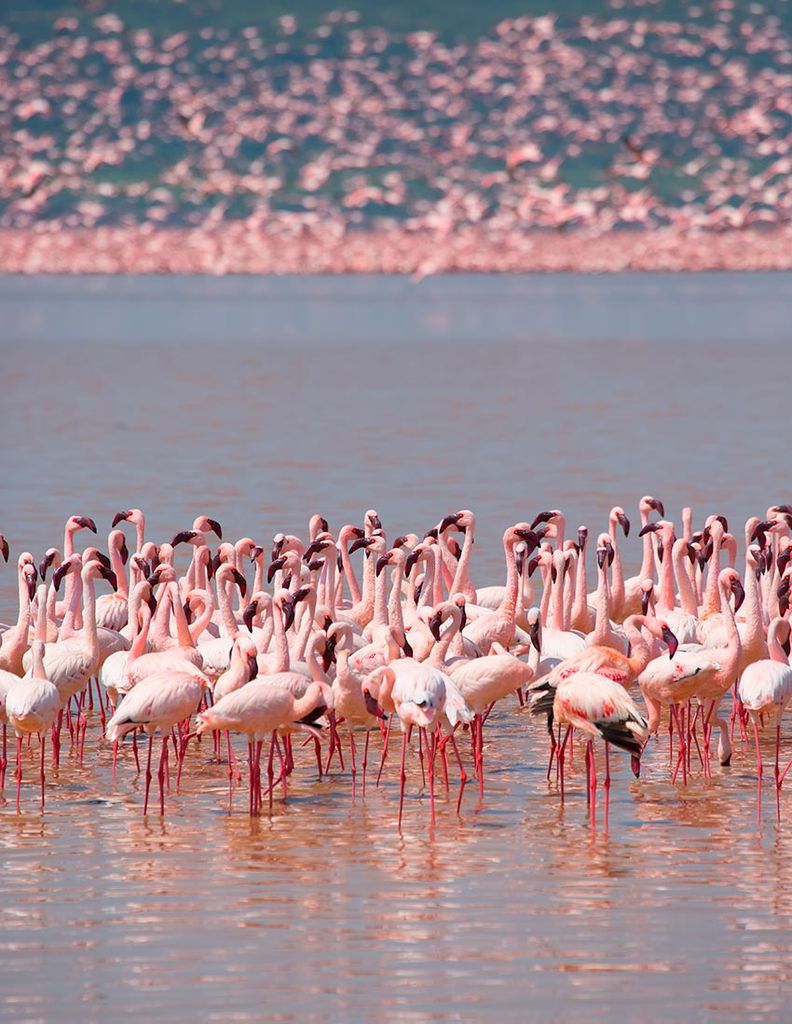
point(251, 778)
point(777, 783)
point(682, 756)
point(402, 777)
point(384, 749)
point(431, 748)
point(462, 773)
point(270, 784)
point(4, 758)
point(148, 773)
point(230, 771)
point(43, 740)
point(163, 771)
point(561, 757)
point(135, 751)
point(759, 773)
point(19, 772)
point(365, 760)
point(353, 760)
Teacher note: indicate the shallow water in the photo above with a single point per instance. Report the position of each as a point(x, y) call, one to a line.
point(259, 402)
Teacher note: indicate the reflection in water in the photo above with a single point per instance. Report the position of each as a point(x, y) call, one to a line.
point(323, 912)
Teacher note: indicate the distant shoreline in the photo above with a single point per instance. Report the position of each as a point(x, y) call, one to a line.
point(236, 248)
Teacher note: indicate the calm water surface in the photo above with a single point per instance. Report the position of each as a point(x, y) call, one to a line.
point(259, 402)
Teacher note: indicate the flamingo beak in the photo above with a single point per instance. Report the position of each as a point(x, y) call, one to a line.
point(739, 594)
point(109, 575)
point(4, 549)
point(361, 542)
point(288, 613)
point(216, 528)
point(434, 625)
point(240, 581)
point(252, 667)
point(451, 520)
point(658, 506)
point(624, 522)
point(124, 552)
point(602, 557)
point(119, 517)
point(535, 635)
point(372, 706)
point(60, 572)
point(31, 583)
point(278, 563)
point(86, 523)
point(670, 640)
point(184, 537)
point(249, 614)
point(382, 561)
point(649, 528)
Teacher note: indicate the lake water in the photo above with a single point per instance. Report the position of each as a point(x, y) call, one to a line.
point(259, 402)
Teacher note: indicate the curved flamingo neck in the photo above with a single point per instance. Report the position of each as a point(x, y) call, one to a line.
point(580, 612)
point(141, 632)
point(602, 626)
point(306, 626)
point(687, 593)
point(617, 573)
point(639, 647)
point(198, 627)
point(349, 572)
point(183, 634)
point(774, 648)
point(462, 583)
point(508, 605)
point(117, 562)
point(439, 652)
point(282, 660)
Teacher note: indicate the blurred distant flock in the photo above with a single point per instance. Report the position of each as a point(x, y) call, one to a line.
point(325, 135)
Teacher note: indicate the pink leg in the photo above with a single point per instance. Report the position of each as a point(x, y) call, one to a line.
point(269, 770)
point(421, 735)
point(353, 760)
point(384, 749)
point(553, 748)
point(163, 771)
point(462, 773)
point(402, 777)
point(561, 756)
point(682, 756)
point(135, 751)
point(251, 779)
point(759, 773)
point(431, 750)
point(4, 758)
point(230, 772)
point(19, 772)
point(365, 760)
point(776, 770)
point(148, 774)
point(43, 740)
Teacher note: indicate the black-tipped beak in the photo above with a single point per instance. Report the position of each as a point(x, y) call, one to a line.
point(382, 561)
point(301, 594)
point(151, 601)
point(447, 521)
point(119, 517)
point(252, 664)
point(739, 594)
point(86, 523)
point(624, 522)
point(543, 517)
point(724, 523)
point(783, 560)
point(248, 615)
point(649, 528)
point(658, 506)
point(434, 625)
point(361, 542)
point(535, 636)
point(288, 613)
point(530, 538)
point(153, 577)
point(407, 648)
point(31, 583)
point(4, 549)
point(256, 552)
point(215, 527)
point(274, 566)
point(213, 565)
point(410, 561)
point(184, 537)
point(532, 566)
point(375, 522)
point(602, 557)
point(785, 646)
point(109, 575)
point(240, 581)
point(60, 572)
point(582, 537)
point(670, 640)
point(372, 706)
point(124, 552)
point(646, 597)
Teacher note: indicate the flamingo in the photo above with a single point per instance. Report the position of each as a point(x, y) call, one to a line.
point(160, 701)
point(766, 685)
point(32, 704)
point(259, 710)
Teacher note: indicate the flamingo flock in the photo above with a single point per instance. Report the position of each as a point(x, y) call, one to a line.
point(290, 645)
point(340, 145)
